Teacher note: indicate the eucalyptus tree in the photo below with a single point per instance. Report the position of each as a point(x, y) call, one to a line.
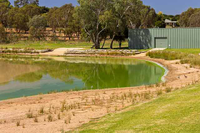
point(90, 13)
point(31, 10)
point(21, 3)
point(128, 14)
point(117, 19)
point(17, 19)
point(37, 26)
point(185, 16)
point(66, 19)
point(4, 8)
point(53, 19)
point(194, 20)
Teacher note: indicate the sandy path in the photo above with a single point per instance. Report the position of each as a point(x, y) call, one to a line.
point(66, 111)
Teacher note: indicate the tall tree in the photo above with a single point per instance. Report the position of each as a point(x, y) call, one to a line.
point(4, 8)
point(194, 20)
point(31, 10)
point(185, 16)
point(21, 3)
point(66, 19)
point(37, 26)
point(18, 19)
point(53, 19)
point(89, 13)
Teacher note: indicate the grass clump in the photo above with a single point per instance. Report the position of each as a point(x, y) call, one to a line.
point(41, 111)
point(159, 92)
point(29, 115)
point(36, 120)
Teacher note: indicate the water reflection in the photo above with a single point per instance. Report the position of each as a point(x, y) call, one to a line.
point(24, 77)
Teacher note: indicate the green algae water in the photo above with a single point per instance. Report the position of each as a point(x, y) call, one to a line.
point(27, 76)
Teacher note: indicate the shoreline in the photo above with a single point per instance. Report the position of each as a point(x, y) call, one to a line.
point(80, 107)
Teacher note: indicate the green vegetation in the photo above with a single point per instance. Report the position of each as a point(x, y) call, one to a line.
point(56, 44)
point(190, 18)
point(173, 112)
point(185, 57)
point(167, 55)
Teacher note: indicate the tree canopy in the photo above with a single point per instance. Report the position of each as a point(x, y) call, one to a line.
point(21, 3)
point(93, 20)
point(190, 18)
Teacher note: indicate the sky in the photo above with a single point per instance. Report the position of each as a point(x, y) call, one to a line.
point(170, 7)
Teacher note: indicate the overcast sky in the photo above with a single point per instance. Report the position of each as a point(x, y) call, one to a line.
point(166, 6)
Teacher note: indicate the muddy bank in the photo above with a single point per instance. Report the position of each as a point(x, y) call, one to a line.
point(66, 111)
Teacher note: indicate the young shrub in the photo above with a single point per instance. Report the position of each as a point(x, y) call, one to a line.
point(168, 89)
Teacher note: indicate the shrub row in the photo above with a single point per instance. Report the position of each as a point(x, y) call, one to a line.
point(192, 59)
point(167, 55)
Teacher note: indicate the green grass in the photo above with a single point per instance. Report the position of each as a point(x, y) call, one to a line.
point(174, 112)
point(56, 44)
point(187, 51)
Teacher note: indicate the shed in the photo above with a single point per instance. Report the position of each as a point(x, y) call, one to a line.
point(175, 38)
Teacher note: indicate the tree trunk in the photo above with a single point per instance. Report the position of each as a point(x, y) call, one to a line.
point(120, 44)
point(97, 45)
point(111, 45)
point(103, 43)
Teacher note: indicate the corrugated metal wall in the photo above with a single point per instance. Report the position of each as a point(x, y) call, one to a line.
point(177, 37)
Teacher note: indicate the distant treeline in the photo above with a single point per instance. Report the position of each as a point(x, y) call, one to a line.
point(92, 20)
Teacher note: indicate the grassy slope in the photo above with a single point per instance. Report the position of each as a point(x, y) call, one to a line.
point(54, 45)
point(178, 111)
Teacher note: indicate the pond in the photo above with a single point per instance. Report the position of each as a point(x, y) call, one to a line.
point(27, 76)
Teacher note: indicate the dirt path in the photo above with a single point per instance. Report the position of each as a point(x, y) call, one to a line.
point(66, 111)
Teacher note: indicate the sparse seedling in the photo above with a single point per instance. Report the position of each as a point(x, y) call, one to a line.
point(18, 123)
point(36, 120)
point(73, 113)
point(59, 116)
point(50, 118)
point(41, 110)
